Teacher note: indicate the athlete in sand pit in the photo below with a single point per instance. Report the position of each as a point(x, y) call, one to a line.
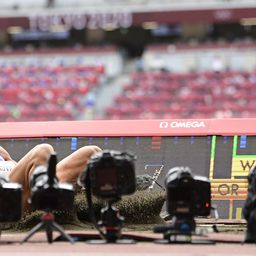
point(67, 170)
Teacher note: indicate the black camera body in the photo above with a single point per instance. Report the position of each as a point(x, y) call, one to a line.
point(47, 193)
point(10, 201)
point(112, 174)
point(187, 195)
point(249, 209)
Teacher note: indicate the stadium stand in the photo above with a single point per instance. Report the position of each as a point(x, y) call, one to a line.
point(38, 93)
point(58, 85)
point(54, 84)
point(196, 59)
point(163, 94)
point(190, 80)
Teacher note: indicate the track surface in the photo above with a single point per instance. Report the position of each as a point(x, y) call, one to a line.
point(225, 244)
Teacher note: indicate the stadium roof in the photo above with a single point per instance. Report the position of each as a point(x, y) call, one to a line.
point(16, 8)
point(34, 14)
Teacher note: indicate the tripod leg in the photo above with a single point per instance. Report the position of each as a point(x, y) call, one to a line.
point(49, 232)
point(59, 228)
point(33, 231)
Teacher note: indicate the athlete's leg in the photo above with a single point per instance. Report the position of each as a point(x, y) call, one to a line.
point(69, 169)
point(39, 155)
point(6, 156)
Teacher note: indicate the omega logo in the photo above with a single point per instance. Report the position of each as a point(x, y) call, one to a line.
point(181, 124)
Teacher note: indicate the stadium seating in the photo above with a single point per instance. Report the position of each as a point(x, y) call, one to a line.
point(162, 94)
point(34, 93)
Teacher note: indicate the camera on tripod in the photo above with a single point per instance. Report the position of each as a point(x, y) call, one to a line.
point(10, 201)
point(112, 174)
point(109, 175)
point(188, 196)
point(47, 194)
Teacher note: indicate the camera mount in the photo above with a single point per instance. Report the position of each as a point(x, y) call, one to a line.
point(49, 225)
point(182, 229)
point(112, 222)
point(179, 231)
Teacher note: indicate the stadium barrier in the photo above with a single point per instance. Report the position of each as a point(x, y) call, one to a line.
point(223, 150)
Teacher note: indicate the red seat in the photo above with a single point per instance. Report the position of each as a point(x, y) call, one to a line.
point(42, 93)
point(191, 95)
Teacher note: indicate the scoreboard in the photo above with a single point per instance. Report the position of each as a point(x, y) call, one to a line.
point(224, 157)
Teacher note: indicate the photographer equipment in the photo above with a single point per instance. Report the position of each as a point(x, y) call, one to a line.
point(249, 209)
point(109, 175)
point(188, 196)
point(47, 194)
point(10, 201)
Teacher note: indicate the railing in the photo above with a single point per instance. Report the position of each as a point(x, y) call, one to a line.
point(172, 127)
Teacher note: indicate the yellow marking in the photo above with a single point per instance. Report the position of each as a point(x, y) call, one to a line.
point(227, 198)
point(211, 168)
point(228, 180)
point(229, 189)
point(230, 209)
point(241, 166)
point(238, 213)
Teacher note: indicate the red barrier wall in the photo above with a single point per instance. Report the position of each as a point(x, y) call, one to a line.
point(173, 127)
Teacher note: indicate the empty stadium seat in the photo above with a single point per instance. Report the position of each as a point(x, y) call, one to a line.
point(34, 93)
point(186, 95)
